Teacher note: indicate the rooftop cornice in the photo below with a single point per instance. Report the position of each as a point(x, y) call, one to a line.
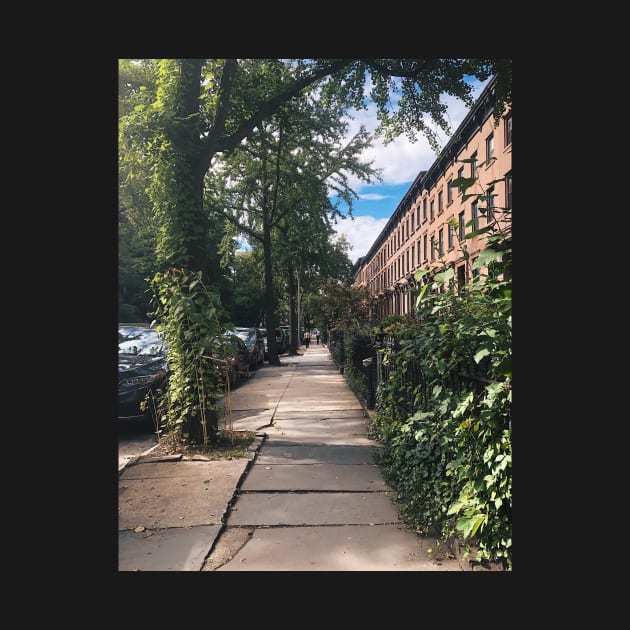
point(477, 115)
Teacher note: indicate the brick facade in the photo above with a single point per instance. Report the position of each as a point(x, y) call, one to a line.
point(419, 227)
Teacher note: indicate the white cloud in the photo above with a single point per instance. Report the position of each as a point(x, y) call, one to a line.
point(374, 197)
point(361, 232)
point(402, 160)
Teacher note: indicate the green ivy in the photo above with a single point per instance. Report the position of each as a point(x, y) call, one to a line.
point(444, 412)
point(186, 313)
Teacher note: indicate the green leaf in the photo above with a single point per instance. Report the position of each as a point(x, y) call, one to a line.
point(477, 524)
point(465, 525)
point(445, 276)
point(486, 256)
point(419, 274)
point(484, 352)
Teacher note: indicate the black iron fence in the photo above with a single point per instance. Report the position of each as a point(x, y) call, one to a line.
point(360, 358)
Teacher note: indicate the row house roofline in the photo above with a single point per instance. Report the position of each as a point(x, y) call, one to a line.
point(478, 114)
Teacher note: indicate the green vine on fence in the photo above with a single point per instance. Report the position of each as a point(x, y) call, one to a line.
point(447, 432)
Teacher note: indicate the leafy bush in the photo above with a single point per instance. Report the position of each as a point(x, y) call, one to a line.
point(444, 412)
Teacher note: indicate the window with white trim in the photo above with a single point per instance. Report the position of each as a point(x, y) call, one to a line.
point(490, 147)
point(462, 226)
point(475, 215)
point(507, 125)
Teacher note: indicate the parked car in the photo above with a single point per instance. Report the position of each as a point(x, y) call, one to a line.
point(282, 339)
point(233, 358)
point(142, 372)
point(255, 345)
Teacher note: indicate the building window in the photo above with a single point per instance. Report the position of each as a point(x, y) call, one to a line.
point(490, 147)
point(461, 225)
point(432, 248)
point(441, 242)
point(473, 165)
point(475, 215)
point(413, 227)
point(402, 227)
point(418, 215)
point(432, 212)
point(450, 236)
point(460, 173)
point(491, 202)
point(424, 209)
point(508, 191)
point(424, 247)
point(440, 203)
point(449, 192)
point(461, 277)
point(408, 268)
point(508, 129)
point(413, 255)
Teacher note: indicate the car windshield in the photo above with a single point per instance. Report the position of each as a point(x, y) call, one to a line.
point(227, 345)
point(244, 333)
point(144, 341)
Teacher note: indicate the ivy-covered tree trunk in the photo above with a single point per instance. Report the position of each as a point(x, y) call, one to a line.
point(187, 312)
point(180, 167)
point(177, 195)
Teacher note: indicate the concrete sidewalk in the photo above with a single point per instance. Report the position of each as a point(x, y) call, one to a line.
point(310, 498)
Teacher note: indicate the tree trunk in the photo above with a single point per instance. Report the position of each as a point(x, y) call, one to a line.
point(293, 323)
point(269, 300)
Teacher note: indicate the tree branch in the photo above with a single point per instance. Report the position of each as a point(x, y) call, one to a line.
point(270, 107)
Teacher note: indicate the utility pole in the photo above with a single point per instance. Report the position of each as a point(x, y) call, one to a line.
point(299, 320)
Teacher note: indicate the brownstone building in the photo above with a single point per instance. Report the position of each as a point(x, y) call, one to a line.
point(430, 222)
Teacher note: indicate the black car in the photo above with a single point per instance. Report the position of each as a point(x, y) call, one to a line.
point(255, 343)
point(232, 359)
point(142, 372)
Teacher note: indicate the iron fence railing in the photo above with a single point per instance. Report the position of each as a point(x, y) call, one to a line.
point(361, 359)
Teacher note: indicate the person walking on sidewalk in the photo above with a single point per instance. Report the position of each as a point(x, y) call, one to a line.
point(307, 338)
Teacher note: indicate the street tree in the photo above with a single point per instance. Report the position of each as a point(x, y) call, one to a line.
point(275, 189)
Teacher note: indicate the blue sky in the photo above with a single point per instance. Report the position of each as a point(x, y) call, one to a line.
point(400, 161)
